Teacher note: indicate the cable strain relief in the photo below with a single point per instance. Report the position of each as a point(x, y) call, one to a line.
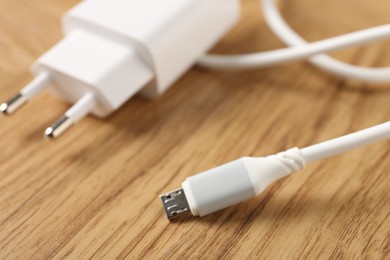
point(190, 198)
point(292, 160)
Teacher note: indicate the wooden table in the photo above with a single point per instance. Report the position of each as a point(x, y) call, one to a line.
point(93, 193)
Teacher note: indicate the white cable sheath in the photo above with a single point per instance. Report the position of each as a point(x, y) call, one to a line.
point(301, 50)
point(304, 51)
point(346, 143)
point(290, 37)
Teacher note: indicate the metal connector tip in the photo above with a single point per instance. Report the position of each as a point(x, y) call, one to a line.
point(13, 104)
point(58, 128)
point(49, 132)
point(175, 204)
point(4, 108)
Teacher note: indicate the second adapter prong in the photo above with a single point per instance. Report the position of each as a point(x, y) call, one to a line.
point(58, 127)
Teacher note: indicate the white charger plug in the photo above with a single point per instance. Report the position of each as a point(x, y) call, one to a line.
point(115, 49)
point(247, 177)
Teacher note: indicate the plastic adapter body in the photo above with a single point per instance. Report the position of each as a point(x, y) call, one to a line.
point(118, 48)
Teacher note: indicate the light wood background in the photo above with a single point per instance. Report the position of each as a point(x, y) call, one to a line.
point(93, 193)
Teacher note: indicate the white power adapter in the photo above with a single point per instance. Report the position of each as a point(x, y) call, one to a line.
point(115, 49)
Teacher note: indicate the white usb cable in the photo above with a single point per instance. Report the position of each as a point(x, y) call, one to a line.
point(291, 38)
point(302, 50)
point(247, 177)
point(305, 51)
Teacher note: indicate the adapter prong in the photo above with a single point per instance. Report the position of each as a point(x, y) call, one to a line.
point(58, 127)
point(13, 104)
point(28, 92)
point(72, 116)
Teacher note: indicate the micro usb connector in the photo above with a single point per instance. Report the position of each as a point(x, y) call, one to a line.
point(175, 203)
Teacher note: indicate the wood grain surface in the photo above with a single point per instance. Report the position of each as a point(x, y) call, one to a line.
point(93, 193)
